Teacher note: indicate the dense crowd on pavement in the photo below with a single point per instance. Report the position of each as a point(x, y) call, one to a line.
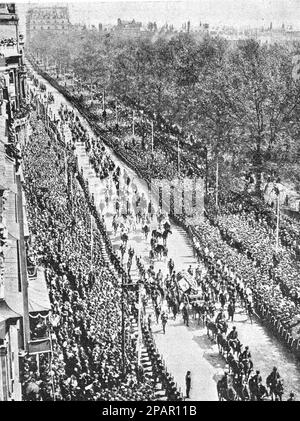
point(260, 276)
point(8, 42)
point(85, 298)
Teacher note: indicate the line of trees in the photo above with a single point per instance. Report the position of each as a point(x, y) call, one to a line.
point(239, 100)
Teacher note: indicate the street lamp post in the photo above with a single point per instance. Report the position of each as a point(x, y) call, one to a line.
point(277, 224)
point(139, 327)
point(178, 157)
point(133, 117)
point(217, 181)
point(277, 192)
point(123, 286)
point(152, 136)
point(206, 170)
point(103, 99)
point(92, 241)
point(123, 327)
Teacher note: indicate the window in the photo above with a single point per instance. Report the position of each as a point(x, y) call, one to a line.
point(11, 77)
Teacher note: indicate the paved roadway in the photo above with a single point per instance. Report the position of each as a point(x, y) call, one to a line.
point(188, 348)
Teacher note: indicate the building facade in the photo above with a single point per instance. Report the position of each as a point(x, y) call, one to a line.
point(54, 19)
point(19, 286)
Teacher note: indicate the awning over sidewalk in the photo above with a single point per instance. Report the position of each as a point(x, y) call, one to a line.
point(6, 313)
point(38, 297)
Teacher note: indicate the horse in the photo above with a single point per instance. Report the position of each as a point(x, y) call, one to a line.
point(235, 345)
point(223, 344)
point(257, 391)
point(146, 231)
point(154, 234)
point(242, 388)
point(157, 312)
point(276, 389)
point(158, 234)
point(222, 326)
point(175, 309)
point(165, 236)
point(115, 226)
point(167, 226)
point(249, 310)
point(122, 249)
point(138, 217)
point(153, 243)
point(204, 313)
point(247, 366)
point(211, 327)
point(151, 255)
point(197, 311)
point(160, 218)
point(124, 238)
point(235, 366)
point(227, 394)
point(279, 390)
point(159, 250)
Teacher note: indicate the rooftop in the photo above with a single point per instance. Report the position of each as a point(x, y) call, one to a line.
point(8, 12)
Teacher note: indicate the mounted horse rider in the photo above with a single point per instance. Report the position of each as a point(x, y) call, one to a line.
point(171, 266)
point(131, 252)
point(159, 276)
point(221, 321)
point(272, 380)
point(225, 389)
point(232, 337)
point(146, 230)
point(231, 310)
point(245, 355)
point(224, 381)
point(245, 359)
point(257, 390)
point(221, 317)
point(257, 379)
point(292, 397)
point(167, 226)
point(185, 315)
point(190, 270)
point(241, 386)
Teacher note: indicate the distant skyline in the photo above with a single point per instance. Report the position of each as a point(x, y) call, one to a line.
point(253, 13)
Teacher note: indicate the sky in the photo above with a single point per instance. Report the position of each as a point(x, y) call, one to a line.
point(216, 12)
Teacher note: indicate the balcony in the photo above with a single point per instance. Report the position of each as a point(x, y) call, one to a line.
point(40, 341)
point(39, 346)
point(8, 47)
point(21, 116)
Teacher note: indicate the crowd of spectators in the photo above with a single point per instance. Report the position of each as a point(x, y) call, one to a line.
point(86, 298)
point(8, 42)
point(255, 276)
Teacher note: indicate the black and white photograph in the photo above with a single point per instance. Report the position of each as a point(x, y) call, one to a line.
point(150, 203)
